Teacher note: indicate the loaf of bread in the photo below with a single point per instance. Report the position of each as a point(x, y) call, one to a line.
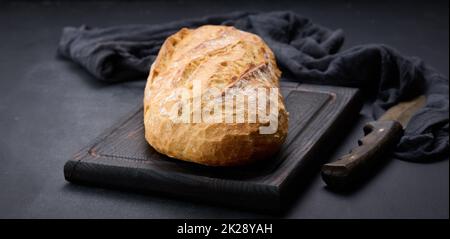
point(223, 62)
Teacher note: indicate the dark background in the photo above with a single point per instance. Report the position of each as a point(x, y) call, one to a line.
point(50, 108)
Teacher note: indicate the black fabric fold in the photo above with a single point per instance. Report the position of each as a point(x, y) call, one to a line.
point(305, 52)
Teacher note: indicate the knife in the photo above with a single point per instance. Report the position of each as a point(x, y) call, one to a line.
point(381, 137)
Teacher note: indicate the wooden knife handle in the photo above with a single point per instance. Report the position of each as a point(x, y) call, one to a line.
point(380, 138)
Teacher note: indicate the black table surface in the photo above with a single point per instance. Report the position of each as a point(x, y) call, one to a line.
point(50, 108)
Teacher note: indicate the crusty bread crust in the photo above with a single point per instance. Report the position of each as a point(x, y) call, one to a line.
point(221, 57)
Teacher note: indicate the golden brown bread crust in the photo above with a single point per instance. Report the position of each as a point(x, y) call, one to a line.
point(221, 57)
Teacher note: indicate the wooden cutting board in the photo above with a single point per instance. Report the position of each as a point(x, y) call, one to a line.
point(121, 158)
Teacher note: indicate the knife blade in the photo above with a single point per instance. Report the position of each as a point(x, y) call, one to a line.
point(381, 137)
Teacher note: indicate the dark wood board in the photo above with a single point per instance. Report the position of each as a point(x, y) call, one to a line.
point(121, 158)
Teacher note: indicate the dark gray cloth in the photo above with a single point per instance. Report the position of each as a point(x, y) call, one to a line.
point(305, 52)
